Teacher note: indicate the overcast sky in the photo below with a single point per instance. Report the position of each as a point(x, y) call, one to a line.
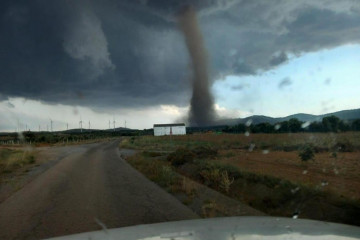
point(127, 60)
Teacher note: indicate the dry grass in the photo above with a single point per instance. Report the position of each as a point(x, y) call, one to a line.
point(156, 170)
point(266, 172)
point(13, 159)
point(188, 187)
point(277, 155)
point(209, 209)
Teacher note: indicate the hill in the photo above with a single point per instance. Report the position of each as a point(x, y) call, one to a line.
point(346, 115)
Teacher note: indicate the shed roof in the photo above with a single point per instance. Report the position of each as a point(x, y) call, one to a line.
point(170, 125)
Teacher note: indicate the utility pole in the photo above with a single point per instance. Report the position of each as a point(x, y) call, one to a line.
point(89, 125)
point(39, 128)
point(125, 123)
point(114, 124)
point(109, 124)
point(67, 126)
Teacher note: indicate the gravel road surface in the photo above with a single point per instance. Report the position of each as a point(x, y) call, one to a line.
point(87, 188)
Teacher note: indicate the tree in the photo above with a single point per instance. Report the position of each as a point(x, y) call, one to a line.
point(29, 136)
point(316, 127)
point(263, 128)
point(284, 126)
point(344, 126)
point(355, 125)
point(240, 128)
point(331, 123)
point(295, 125)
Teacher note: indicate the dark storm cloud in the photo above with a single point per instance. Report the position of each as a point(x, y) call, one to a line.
point(131, 53)
point(278, 59)
point(238, 87)
point(285, 82)
point(10, 105)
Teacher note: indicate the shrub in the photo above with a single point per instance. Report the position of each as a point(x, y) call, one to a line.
point(151, 154)
point(204, 165)
point(344, 146)
point(205, 152)
point(216, 177)
point(180, 157)
point(307, 152)
point(30, 159)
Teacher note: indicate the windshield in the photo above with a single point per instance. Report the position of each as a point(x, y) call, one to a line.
point(121, 113)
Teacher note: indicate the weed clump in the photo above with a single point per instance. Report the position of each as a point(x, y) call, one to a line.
point(226, 181)
point(166, 177)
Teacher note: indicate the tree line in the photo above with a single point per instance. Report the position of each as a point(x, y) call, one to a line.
point(327, 124)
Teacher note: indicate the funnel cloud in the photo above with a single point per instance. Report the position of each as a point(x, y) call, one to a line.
point(202, 111)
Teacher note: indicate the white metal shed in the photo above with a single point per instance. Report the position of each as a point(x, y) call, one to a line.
point(169, 129)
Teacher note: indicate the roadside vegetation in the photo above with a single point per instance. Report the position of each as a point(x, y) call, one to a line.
point(52, 138)
point(203, 201)
point(302, 175)
point(12, 160)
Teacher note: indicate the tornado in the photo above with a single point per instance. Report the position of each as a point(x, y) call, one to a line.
point(201, 111)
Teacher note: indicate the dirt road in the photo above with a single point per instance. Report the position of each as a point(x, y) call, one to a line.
point(89, 187)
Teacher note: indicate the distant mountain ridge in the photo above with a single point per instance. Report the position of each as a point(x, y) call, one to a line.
point(346, 115)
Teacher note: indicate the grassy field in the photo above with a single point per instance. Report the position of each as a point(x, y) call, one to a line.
point(264, 170)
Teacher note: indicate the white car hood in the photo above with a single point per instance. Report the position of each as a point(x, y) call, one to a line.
point(230, 228)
